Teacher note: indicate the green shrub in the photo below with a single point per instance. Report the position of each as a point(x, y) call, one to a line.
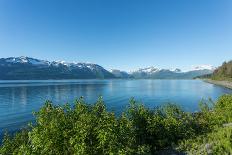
point(218, 139)
point(91, 129)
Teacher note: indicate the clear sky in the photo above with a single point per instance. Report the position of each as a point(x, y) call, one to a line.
point(122, 34)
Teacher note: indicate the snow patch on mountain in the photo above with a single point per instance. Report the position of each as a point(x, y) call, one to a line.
point(25, 60)
point(176, 70)
point(202, 67)
point(151, 70)
point(146, 70)
point(37, 62)
point(94, 67)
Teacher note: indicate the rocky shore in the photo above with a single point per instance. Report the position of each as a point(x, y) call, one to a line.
point(227, 84)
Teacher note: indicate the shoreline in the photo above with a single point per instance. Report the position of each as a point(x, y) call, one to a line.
point(226, 84)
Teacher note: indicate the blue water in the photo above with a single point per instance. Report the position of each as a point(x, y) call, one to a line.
point(18, 99)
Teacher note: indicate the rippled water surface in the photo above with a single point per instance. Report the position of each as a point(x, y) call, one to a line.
point(18, 99)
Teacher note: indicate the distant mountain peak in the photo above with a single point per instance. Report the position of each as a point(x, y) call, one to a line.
point(33, 61)
point(177, 70)
point(150, 69)
point(23, 57)
point(30, 68)
point(203, 67)
point(153, 69)
point(25, 60)
point(175, 73)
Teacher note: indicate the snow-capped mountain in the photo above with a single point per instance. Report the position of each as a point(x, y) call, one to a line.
point(30, 68)
point(151, 70)
point(156, 73)
point(24, 60)
point(203, 67)
point(14, 68)
point(148, 70)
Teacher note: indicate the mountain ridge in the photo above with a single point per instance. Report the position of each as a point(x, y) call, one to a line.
point(156, 73)
point(25, 68)
point(14, 68)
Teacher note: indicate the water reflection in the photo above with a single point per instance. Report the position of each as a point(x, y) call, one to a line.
point(23, 96)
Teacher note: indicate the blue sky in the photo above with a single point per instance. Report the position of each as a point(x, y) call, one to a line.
point(122, 34)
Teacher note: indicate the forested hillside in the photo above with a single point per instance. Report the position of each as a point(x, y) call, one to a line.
point(223, 72)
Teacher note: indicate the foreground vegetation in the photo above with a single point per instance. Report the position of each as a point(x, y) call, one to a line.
point(91, 129)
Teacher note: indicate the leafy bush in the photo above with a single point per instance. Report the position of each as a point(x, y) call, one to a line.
point(218, 139)
point(216, 142)
point(91, 129)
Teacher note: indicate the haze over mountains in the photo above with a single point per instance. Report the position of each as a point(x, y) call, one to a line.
point(25, 68)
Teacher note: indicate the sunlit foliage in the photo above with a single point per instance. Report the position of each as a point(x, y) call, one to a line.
point(218, 140)
point(90, 129)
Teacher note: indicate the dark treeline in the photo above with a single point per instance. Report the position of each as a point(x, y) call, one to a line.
point(224, 72)
point(91, 129)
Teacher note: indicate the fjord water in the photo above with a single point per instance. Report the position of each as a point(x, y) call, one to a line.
point(18, 99)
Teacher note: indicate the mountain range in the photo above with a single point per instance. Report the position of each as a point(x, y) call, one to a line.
point(26, 68)
point(156, 73)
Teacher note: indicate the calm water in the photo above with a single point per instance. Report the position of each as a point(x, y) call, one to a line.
point(19, 98)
